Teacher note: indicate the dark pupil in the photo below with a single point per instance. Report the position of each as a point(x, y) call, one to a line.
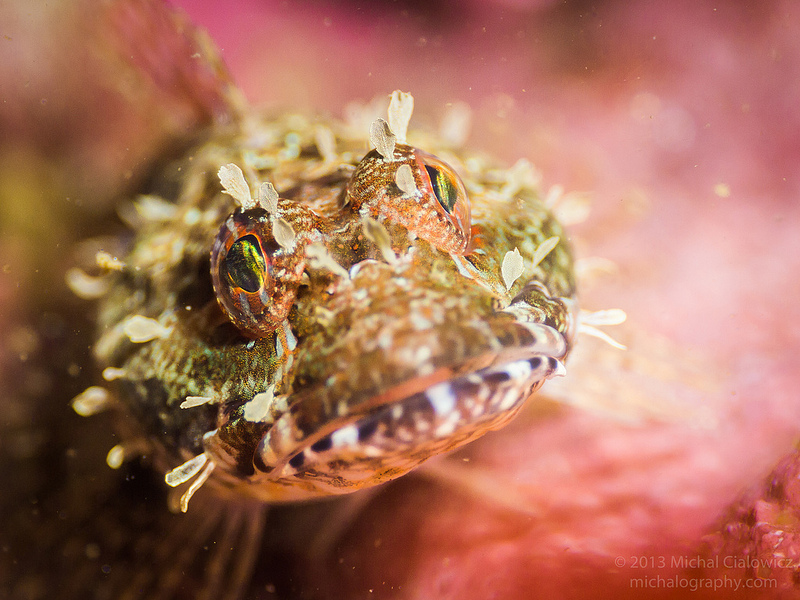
point(443, 187)
point(245, 264)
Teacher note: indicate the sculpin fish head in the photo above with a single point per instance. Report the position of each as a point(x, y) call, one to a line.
point(421, 340)
point(336, 330)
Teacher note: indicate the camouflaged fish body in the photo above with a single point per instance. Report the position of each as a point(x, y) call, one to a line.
point(400, 340)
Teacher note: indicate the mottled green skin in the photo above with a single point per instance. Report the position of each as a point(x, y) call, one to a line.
point(357, 338)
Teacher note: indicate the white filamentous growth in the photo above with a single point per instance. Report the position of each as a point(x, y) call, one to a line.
point(109, 263)
point(268, 198)
point(283, 233)
point(325, 141)
point(201, 479)
point(258, 408)
point(591, 267)
point(186, 471)
point(544, 249)
point(85, 286)
point(91, 401)
point(378, 235)
point(569, 209)
point(381, 136)
point(116, 456)
point(513, 266)
point(141, 329)
point(233, 182)
point(319, 258)
point(112, 373)
point(401, 106)
point(609, 316)
point(192, 401)
point(153, 208)
point(404, 178)
point(456, 124)
point(291, 341)
point(521, 176)
point(122, 452)
point(612, 316)
point(601, 335)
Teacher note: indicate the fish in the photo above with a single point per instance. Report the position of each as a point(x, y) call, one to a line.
point(284, 439)
point(304, 308)
point(295, 316)
point(330, 320)
point(298, 319)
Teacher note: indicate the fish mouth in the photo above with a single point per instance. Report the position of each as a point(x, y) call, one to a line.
point(386, 435)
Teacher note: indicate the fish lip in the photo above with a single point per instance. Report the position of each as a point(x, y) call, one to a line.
point(286, 451)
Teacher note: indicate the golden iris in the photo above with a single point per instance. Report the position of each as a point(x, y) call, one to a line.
point(245, 264)
point(443, 188)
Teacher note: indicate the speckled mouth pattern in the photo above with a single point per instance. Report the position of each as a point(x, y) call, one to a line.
point(388, 440)
point(442, 417)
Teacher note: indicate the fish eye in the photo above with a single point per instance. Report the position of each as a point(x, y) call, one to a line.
point(430, 200)
point(444, 184)
point(443, 188)
point(244, 264)
point(244, 260)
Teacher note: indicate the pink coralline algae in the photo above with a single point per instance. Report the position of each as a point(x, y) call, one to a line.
point(759, 538)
